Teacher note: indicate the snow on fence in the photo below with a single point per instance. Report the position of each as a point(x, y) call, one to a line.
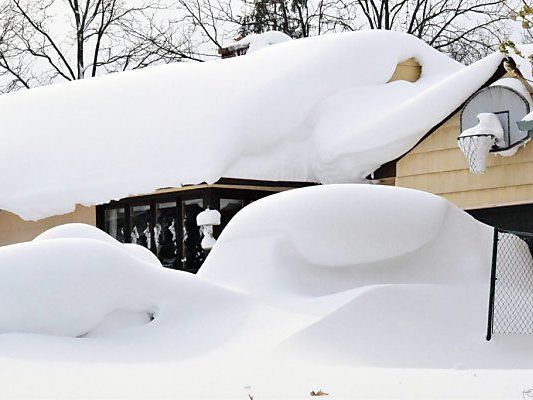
point(511, 286)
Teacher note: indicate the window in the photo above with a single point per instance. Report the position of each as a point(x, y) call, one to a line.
point(140, 229)
point(228, 209)
point(115, 221)
point(192, 253)
point(165, 223)
point(514, 218)
point(166, 234)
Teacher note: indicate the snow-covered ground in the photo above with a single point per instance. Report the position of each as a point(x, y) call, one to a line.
point(361, 291)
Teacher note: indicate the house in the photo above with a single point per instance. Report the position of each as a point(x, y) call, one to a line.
point(502, 195)
point(165, 220)
point(155, 147)
point(251, 43)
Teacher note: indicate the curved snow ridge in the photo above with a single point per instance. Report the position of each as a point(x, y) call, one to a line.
point(357, 275)
point(49, 286)
point(84, 231)
point(75, 293)
point(317, 109)
point(328, 239)
point(398, 126)
point(260, 41)
point(351, 232)
point(68, 279)
point(402, 326)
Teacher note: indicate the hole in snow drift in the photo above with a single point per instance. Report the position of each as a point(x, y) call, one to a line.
point(409, 70)
point(118, 320)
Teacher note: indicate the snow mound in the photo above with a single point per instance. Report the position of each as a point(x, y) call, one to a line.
point(318, 109)
point(346, 235)
point(143, 254)
point(76, 230)
point(84, 231)
point(48, 286)
point(74, 281)
point(335, 277)
point(327, 239)
point(259, 41)
point(394, 277)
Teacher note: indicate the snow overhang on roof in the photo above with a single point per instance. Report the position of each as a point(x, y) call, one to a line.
point(319, 109)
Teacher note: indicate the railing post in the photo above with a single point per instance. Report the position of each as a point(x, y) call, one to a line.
point(492, 283)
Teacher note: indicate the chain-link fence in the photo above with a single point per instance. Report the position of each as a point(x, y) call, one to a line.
point(511, 287)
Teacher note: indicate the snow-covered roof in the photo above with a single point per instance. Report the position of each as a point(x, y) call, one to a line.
point(259, 41)
point(317, 109)
point(517, 86)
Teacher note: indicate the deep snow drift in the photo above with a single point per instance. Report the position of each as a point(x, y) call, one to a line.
point(327, 280)
point(395, 277)
point(318, 109)
point(105, 298)
point(380, 262)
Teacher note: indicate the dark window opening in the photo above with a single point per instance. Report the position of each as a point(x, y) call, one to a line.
point(228, 209)
point(140, 231)
point(513, 218)
point(193, 255)
point(166, 223)
point(166, 234)
point(115, 223)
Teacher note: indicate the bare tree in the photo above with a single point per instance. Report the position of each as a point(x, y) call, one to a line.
point(296, 18)
point(51, 40)
point(465, 29)
point(14, 72)
point(48, 40)
point(210, 24)
point(524, 15)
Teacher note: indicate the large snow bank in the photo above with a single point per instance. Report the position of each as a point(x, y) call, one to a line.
point(75, 281)
point(317, 109)
point(334, 238)
point(395, 277)
point(47, 285)
point(319, 280)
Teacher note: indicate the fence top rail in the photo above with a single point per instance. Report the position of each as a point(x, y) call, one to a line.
point(518, 233)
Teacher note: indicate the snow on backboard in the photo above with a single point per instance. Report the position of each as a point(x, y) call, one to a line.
point(508, 104)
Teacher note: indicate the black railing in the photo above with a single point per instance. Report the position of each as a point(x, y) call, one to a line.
point(511, 284)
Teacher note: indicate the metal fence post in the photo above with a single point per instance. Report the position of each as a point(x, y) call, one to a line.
point(492, 283)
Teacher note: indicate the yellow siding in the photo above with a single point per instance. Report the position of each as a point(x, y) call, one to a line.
point(408, 70)
point(437, 165)
point(14, 230)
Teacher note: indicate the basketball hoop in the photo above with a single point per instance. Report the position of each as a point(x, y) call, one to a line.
point(476, 149)
point(477, 142)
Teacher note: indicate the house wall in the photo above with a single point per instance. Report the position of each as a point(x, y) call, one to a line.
point(13, 229)
point(437, 165)
point(408, 70)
